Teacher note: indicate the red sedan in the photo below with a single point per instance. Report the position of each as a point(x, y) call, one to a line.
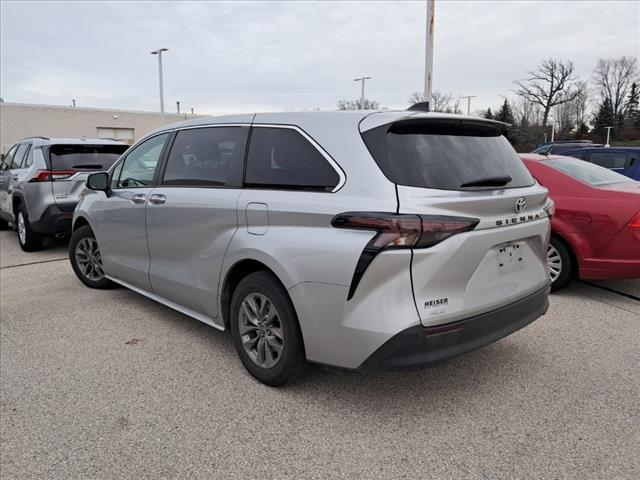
point(596, 225)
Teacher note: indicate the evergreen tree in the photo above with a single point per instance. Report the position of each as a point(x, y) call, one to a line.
point(505, 114)
point(632, 113)
point(488, 114)
point(604, 118)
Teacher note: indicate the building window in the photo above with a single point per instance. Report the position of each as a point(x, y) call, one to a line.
point(123, 134)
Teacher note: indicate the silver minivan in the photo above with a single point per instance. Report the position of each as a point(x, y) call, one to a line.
point(363, 240)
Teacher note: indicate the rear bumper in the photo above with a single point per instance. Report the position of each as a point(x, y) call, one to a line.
point(419, 347)
point(55, 219)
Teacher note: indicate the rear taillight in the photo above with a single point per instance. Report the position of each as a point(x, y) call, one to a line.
point(404, 231)
point(399, 231)
point(51, 175)
point(635, 221)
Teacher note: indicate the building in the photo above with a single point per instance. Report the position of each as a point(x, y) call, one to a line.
point(21, 120)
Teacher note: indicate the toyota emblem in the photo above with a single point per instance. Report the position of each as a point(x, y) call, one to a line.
point(521, 203)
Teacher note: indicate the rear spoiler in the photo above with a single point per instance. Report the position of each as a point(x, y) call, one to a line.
point(414, 118)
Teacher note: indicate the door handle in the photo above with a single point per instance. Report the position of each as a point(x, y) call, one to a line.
point(138, 198)
point(157, 199)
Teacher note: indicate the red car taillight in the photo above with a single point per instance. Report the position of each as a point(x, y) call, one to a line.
point(51, 175)
point(399, 231)
point(635, 221)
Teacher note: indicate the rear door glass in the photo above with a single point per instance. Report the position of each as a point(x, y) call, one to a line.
point(212, 156)
point(444, 156)
point(18, 158)
point(84, 157)
point(609, 159)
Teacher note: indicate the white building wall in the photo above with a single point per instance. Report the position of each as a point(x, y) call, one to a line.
point(19, 120)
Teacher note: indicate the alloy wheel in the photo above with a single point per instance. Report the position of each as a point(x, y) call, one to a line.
point(89, 260)
point(22, 229)
point(554, 262)
point(261, 330)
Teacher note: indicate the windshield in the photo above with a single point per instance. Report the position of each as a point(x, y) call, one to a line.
point(446, 156)
point(84, 157)
point(586, 172)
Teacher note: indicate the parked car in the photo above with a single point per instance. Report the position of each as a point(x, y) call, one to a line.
point(370, 241)
point(41, 179)
point(560, 147)
point(624, 160)
point(596, 226)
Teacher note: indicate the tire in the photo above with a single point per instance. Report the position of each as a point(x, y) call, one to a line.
point(561, 264)
point(257, 342)
point(29, 240)
point(84, 255)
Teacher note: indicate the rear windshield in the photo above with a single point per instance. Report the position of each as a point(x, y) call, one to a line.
point(445, 156)
point(84, 157)
point(586, 172)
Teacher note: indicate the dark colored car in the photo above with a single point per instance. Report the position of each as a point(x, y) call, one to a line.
point(624, 160)
point(560, 148)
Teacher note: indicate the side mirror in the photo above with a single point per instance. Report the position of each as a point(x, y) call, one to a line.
point(98, 181)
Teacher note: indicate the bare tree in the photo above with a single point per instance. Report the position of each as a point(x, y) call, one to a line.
point(358, 104)
point(440, 102)
point(614, 77)
point(573, 113)
point(553, 83)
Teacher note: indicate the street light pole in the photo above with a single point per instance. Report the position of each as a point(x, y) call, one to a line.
point(608, 135)
point(469, 97)
point(361, 79)
point(428, 63)
point(159, 53)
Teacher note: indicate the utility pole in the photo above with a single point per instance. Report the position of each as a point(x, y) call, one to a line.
point(362, 79)
point(178, 106)
point(469, 97)
point(553, 130)
point(159, 53)
point(428, 63)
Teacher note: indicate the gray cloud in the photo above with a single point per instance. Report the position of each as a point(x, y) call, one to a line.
point(247, 56)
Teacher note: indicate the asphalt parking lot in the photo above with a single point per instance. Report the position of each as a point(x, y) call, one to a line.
point(80, 399)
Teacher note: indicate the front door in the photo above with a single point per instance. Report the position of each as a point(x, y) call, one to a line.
point(119, 218)
point(5, 180)
point(191, 215)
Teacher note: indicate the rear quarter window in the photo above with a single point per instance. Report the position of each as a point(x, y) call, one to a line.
point(284, 158)
point(444, 156)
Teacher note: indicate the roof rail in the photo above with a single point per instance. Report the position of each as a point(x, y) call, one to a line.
point(36, 136)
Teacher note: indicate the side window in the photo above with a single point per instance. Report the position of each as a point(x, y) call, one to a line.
point(140, 164)
point(283, 158)
point(115, 175)
point(8, 158)
point(19, 156)
point(609, 159)
point(212, 156)
point(28, 159)
point(577, 154)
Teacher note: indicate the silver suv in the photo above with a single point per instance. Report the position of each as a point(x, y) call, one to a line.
point(41, 179)
point(363, 240)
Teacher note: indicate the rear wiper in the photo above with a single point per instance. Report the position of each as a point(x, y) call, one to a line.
point(488, 182)
point(88, 167)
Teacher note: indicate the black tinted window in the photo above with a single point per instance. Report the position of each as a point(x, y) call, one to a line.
point(609, 159)
point(84, 157)
point(207, 157)
point(283, 158)
point(444, 156)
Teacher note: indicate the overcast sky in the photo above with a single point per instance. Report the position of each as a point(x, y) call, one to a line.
point(269, 56)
